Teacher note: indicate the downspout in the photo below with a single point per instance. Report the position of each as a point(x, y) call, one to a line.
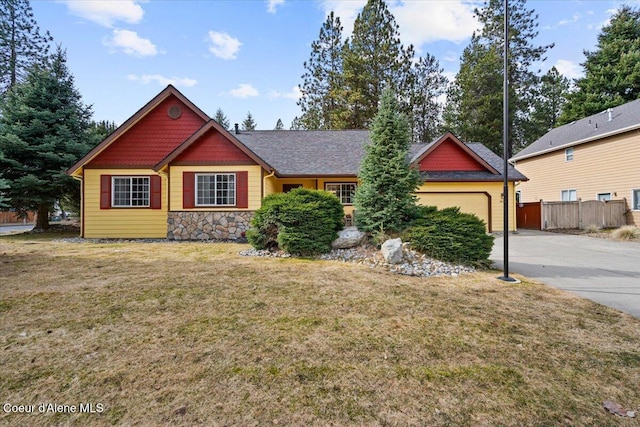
point(81, 179)
point(264, 183)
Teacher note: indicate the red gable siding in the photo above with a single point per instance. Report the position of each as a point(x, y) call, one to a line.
point(150, 140)
point(213, 147)
point(448, 156)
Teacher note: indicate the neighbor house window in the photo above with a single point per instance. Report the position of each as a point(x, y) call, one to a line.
point(343, 191)
point(603, 197)
point(130, 191)
point(636, 199)
point(568, 154)
point(216, 189)
point(569, 195)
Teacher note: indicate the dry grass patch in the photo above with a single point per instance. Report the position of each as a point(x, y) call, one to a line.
point(193, 334)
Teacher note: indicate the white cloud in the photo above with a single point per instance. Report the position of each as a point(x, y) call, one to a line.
point(244, 90)
point(131, 43)
point(419, 21)
point(223, 45)
point(273, 4)
point(294, 94)
point(569, 69)
point(105, 12)
point(162, 80)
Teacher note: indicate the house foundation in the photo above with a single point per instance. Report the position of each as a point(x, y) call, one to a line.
point(207, 225)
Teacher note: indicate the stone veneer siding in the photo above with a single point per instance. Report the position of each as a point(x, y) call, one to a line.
point(207, 225)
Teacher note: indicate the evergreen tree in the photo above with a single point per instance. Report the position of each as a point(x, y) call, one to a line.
point(385, 197)
point(248, 123)
point(612, 71)
point(21, 44)
point(222, 119)
point(548, 105)
point(279, 125)
point(474, 101)
point(481, 74)
point(4, 187)
point(373, 59)
point(429, 83)
point(43, 131)
point(296, 124)
point(322, 82)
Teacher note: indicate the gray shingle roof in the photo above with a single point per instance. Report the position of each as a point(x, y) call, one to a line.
point(621, 119)
point(339, 153)
point(308, 152)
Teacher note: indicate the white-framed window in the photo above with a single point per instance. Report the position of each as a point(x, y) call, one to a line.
point(568, 195)
point(215, 189)
point(635, 198)
point(568, 154)
point(603, 197)
point(130, 191)
point(518, 196)
point(343, 191)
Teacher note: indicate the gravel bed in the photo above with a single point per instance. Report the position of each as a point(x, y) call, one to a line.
point(413, 263)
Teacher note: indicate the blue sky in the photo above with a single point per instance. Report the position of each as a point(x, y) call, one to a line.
point(248, 55)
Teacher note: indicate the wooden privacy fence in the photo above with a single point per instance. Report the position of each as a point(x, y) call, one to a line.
point(8, 217)
point(580, 214)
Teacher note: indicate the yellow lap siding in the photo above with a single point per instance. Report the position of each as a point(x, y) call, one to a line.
point(121, 222)
point(483, 199)
point(254, 185)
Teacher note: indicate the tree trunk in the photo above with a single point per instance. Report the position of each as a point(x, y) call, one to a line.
point(42, 221)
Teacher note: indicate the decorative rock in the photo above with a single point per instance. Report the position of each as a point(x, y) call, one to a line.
point(392, 251)
point(349, 237)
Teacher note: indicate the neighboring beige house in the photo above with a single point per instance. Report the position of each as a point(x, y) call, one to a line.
point(595, 158)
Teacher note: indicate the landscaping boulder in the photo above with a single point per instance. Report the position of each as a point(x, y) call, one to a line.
point(392, 251)
point(349, 237)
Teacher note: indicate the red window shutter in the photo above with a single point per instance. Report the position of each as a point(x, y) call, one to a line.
point(105, 191)
point(188, 190)
point(156, 192)
point(242, 189)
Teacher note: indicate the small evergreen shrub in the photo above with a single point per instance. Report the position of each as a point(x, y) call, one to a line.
point(301, 222)
point(451, 235)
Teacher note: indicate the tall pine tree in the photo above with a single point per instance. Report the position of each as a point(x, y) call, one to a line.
point(385, 197)
point(612, 71)
point(222, 119)
point(321, 101)
point(43, 131)
point(429, 83)
point(248, 123)
point(551, 96)
point(481, 74)
point(373, 59)
point(21, 43)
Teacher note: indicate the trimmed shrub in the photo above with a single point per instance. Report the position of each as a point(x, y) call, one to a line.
point(450, 235)
point(301, 222)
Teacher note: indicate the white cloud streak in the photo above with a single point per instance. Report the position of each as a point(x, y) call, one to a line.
point(272, 5)
point(106, 13)
point(569, 69)
point(162, 80)
point(244, 90)
point(131, 43)
point(294, 94)
point(223, 45)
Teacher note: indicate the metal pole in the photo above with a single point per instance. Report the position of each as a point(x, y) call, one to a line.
point(505, 149)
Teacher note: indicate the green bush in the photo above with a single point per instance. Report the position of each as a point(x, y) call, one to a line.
point(450, 235)
point(300, 222)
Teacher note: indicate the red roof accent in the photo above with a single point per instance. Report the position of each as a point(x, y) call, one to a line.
point(449, 156)
point(149, 140)
point(212, 146)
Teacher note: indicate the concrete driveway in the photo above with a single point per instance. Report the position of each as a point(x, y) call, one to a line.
point(604, 271)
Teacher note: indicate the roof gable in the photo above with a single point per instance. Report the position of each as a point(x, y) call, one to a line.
point(614, 121)
point(211, 144)
point(448, 153)
point(147, 136)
